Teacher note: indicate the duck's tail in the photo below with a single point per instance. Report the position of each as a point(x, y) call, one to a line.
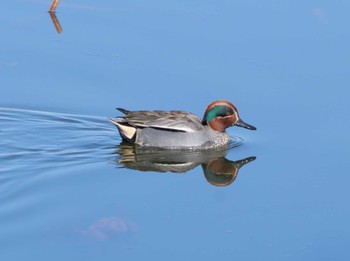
point(126, 131)
point(123, 110)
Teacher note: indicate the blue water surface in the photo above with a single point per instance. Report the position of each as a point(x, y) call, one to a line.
point(70, 191)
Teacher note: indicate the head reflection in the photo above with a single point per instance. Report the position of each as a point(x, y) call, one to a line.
point(222, 172)
point(218, 170)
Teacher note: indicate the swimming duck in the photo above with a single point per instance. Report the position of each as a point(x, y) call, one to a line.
point(180, 129)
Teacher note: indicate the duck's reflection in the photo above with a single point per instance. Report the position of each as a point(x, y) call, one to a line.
point(217, 170)
point(221, 171)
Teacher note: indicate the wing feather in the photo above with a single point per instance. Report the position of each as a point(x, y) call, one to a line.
point(168, 120)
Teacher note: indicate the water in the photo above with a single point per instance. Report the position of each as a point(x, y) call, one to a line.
point(69, 190)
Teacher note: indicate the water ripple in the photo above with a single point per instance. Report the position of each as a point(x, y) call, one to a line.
point(35, 140)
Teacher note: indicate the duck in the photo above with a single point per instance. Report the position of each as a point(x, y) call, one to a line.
point(178, 129)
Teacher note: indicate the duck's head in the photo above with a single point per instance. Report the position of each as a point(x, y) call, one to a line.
point(222, 114)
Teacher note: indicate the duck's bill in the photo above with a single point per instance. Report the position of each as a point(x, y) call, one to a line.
point(241, 163)
point(241, 123)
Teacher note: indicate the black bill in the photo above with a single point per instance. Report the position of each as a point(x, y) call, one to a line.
point(241, 123)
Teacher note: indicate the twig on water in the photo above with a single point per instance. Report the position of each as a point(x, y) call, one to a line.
point(53, 6)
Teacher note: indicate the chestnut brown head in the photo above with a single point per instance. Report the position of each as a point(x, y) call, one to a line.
point(222, 114)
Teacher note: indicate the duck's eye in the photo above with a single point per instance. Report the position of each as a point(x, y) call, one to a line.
point(222, 114)
point(226, 111)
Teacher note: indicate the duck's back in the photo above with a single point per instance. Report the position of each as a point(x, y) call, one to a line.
point(167, 120)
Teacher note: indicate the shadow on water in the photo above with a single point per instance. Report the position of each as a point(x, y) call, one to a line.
point(36, 141)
